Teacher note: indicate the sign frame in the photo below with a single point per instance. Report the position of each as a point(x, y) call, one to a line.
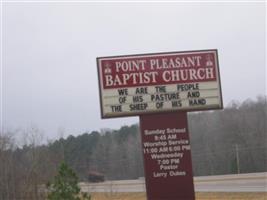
point(123, 114)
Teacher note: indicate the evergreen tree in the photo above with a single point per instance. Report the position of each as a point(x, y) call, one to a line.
point(65, 185)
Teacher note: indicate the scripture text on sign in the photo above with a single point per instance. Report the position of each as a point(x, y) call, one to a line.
point(163, 82)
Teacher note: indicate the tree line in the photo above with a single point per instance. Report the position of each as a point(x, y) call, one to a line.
point(232, 140)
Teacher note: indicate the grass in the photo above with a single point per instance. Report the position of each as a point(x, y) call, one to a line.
point(199, 196)
point(232, 196)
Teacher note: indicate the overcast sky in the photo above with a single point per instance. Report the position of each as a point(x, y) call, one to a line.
point(50, 49)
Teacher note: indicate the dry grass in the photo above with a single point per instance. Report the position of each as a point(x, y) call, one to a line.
point(199, 196)
point(231, 196)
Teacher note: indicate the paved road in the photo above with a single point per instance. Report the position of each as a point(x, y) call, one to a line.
point(253, 182)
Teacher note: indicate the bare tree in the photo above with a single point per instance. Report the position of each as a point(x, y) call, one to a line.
point(7, 176)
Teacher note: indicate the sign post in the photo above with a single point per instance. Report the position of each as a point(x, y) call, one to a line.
point(167, 156)
point(161, 88)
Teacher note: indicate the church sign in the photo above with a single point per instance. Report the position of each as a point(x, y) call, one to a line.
point(160, 82)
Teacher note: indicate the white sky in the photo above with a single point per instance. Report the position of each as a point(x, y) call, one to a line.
point(49, 50)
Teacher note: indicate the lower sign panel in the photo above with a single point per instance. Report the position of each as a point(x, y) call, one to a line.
point(167, 157)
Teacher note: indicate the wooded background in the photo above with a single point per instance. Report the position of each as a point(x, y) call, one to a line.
point(233, 140)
